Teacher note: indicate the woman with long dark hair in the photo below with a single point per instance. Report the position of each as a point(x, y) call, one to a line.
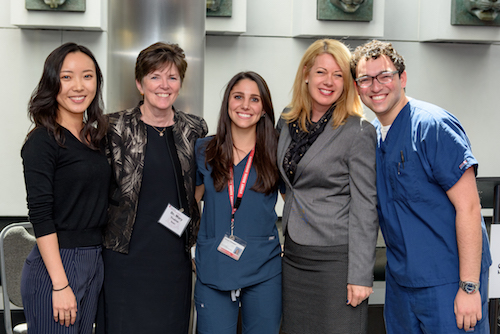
point(238, 252)
point(67, 180)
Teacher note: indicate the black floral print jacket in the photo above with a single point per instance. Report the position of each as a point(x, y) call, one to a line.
point(126, 142)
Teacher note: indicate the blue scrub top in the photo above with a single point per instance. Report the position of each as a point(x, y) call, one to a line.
point(255, 223)
point(425, 153)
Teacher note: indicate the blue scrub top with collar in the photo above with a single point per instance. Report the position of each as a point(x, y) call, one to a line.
point(425, 153)
point(255, 223)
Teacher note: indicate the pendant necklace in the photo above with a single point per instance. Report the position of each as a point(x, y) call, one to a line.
point(160, 132)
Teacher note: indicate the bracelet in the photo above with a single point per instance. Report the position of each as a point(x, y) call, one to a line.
point(61, 289)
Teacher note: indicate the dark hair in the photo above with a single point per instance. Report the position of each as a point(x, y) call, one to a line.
point(375, 49)
point(158, 55)
point(219, 152)
point(42, 108)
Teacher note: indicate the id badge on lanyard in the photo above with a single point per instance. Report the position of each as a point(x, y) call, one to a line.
point(231, 245)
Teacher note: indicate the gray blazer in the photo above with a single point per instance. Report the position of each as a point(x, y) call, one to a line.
point(333, 198)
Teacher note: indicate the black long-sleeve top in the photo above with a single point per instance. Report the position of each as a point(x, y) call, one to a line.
point(67, 188)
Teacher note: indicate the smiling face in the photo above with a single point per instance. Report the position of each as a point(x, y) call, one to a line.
point(325, 83)
point(245, 105)
point(160, 88)
point(385, 100)
point(78, 86)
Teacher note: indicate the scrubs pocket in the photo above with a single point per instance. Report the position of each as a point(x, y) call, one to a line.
point(405, 181)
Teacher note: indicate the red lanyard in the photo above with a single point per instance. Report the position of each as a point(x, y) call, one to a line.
point(241, 189)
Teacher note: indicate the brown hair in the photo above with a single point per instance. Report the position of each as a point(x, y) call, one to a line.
point(375, 49)
point(219, 150)
point(157, 56)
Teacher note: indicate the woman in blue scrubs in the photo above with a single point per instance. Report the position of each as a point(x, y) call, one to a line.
point(238, 252)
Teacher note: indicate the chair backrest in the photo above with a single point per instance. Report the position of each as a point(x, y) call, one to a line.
point(15, 245)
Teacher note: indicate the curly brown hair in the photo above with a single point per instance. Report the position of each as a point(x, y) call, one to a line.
point(375, 49)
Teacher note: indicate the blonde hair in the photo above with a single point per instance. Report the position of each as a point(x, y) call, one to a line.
point(348, 104)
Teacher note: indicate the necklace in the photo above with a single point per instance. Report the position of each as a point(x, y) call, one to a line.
point(160, 132)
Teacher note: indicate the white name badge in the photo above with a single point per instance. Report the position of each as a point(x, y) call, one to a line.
point(232, 246)
point(174, 220)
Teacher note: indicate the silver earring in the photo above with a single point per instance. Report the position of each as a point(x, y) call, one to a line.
point(307, 81)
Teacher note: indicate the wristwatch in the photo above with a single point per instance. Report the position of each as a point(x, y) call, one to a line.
point(469, 287)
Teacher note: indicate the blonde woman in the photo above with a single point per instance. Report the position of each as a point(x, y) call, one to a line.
point(326, 157)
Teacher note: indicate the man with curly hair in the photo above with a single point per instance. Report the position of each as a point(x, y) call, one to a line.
point(430, 214)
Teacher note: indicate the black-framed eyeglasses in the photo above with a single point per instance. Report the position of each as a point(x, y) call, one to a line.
point(383, 78)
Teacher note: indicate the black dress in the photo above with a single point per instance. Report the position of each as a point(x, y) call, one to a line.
point(148, 290)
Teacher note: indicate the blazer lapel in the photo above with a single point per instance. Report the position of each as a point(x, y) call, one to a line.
point(324, 138)
point(283, 143)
